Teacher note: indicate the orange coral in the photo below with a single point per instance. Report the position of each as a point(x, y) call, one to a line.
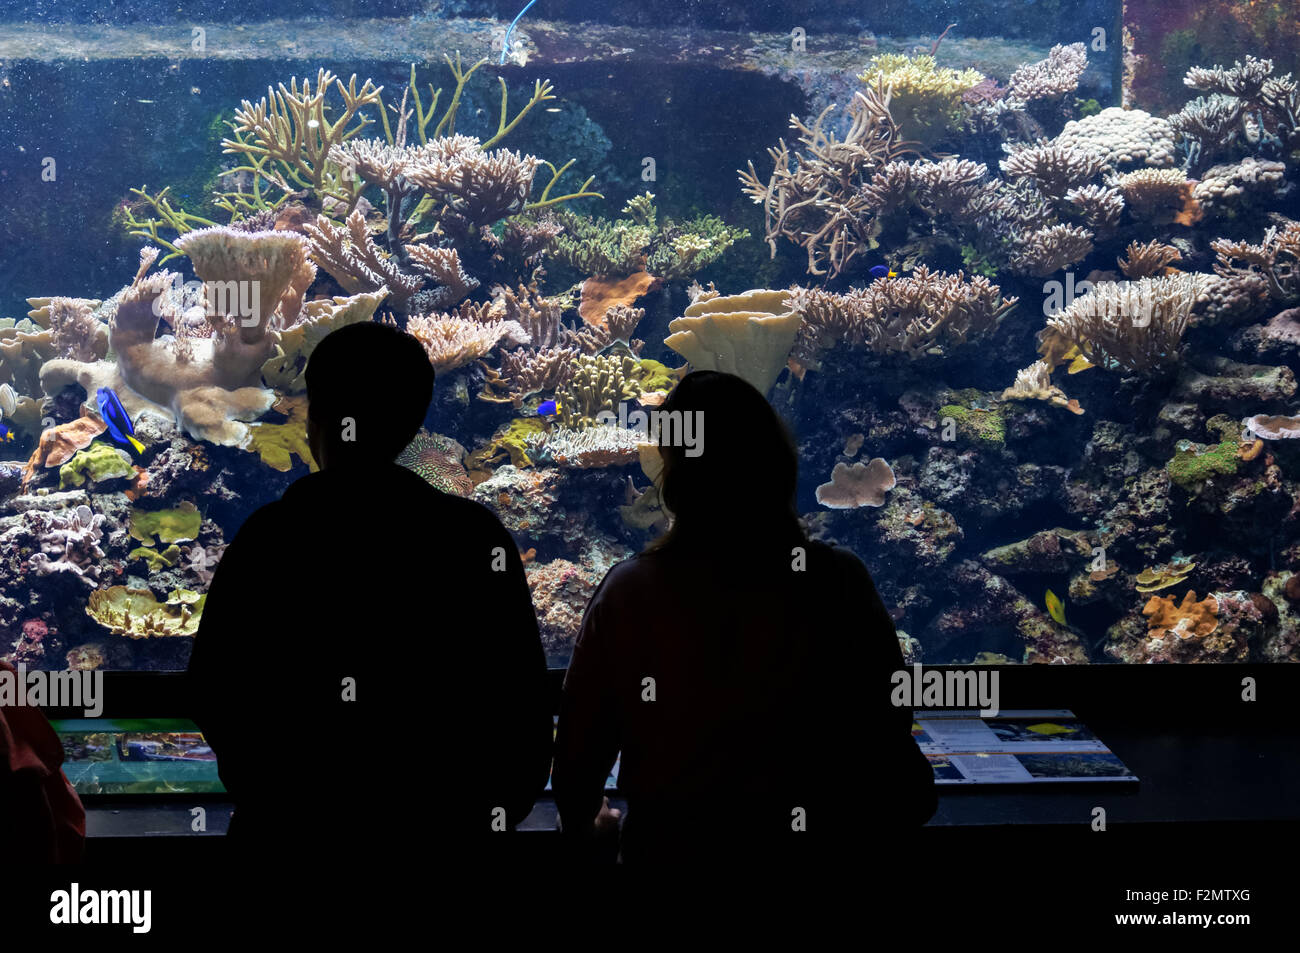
point(1249, 451)
point(1190, 619)
point(601, 293)
point(137, 484)
point(59, 443)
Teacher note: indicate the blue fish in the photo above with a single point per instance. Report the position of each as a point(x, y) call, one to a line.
point(546, 408)
point(6, 434)
point(883, 271)
point(116, 419)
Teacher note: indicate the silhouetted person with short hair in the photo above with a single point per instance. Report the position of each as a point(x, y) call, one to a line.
point(368, 668)
point(742, 670)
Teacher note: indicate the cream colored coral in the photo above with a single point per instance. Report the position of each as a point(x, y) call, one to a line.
point(1124, 137)
point(748, 334)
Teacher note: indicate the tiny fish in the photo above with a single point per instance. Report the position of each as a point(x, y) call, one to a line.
point(883, 271)
point(546, 408)
point(1047, 728)
point(1055, 607)
point(116, 419)
point(6, 435)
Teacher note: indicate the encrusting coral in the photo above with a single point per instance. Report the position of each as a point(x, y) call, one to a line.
point(1190, 619)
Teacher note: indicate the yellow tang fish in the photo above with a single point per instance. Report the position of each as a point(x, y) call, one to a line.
point(1055, 608)
point(1047, 728)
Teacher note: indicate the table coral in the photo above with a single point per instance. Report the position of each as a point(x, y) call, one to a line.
point(748, 334)
point(136, 614)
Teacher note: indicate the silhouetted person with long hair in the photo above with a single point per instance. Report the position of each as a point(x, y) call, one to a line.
point(742, 670)
point(368, 669)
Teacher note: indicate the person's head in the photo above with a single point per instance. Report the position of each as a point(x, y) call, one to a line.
point(741, 475)
point(368, 388)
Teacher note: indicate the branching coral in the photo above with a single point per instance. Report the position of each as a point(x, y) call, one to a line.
point(1051, 78)
point(525, 372)
point(288, 135)
point(1135, 325)
point(1100, 206)
point(1275, 261)
point(452, 341)
point(1055, 167)
point(813, 198)
point(597, 384)
point(1247, 101)
point(1146, 259)
point(1159, 195)
point(1045, 251)
point(640, 242)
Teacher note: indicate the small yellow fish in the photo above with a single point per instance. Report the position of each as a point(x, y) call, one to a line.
point(1047, 728)
point(1055, 608)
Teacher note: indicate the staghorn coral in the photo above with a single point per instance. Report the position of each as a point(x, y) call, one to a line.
point(452, 341)
point(668, 250)
point(1263, 107)
point(1133, 325)
point(1123, 137)
point(287, 137)
point(749, 335)
point(598, 384)
point(813, 197)
point(72, 539)
point(1275, 261)
point(1145, 259)
point(525, 372)
point(1045, 251)
point(593, 447)
point(1055, 167)
point(918, 314)
point(858, 484)
point(1100, 206)
point(1051, 78)
point(1208, 127)
point(926, 100)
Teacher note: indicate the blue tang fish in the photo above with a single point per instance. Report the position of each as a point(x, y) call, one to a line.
point(546, 408)
point(116, 418)
point(6, 434)
point(883, 271)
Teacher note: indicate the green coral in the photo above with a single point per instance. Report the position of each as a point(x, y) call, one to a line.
point(157, 561)
point(510, 440)
point(668, 249)
point(926, 98)
point(1195, 463)
point(136, 614)
point(96, 463)
point(977, 423)
point(179, 525)
point(276, 443)
point(655, 375)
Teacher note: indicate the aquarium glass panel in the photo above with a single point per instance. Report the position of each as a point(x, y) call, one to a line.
point(1023, 278)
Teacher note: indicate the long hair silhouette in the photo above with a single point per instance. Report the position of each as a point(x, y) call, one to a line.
point(741, 483)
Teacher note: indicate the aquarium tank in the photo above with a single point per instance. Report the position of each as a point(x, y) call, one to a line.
point(1023, 278)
